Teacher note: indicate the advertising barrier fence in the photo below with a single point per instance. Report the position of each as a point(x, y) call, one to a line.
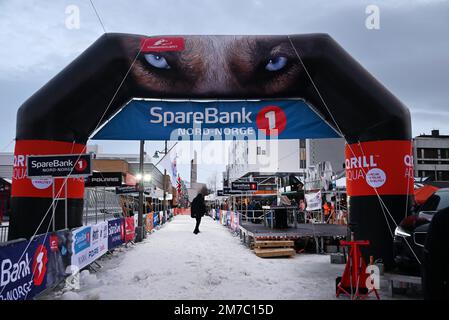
point(23, 268)
point(130, 230)
point(149, 222)
point(116, 233)
point(29, 268)
point(228, 218)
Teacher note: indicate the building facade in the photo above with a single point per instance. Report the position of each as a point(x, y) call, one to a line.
point(431, 156)
point(294, 156)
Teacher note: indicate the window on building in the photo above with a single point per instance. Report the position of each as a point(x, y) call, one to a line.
point(443, 175)
point(445, 153)
point(430, 153)
point(429, 162)
point(420, 153)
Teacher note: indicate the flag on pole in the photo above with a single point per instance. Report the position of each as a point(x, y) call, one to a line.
point(171, 167)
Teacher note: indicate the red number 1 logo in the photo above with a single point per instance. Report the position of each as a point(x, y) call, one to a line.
point(272, 119)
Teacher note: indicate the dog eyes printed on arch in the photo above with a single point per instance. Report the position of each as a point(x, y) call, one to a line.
point(273, 64)
point(218, 64)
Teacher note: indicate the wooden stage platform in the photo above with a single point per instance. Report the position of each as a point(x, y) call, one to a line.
point(302, 230)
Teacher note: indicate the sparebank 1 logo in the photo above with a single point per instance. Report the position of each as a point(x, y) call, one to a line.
point(272, 120)
point(81, 165)
point(40, 265)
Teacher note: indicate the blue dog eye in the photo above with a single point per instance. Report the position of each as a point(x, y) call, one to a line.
point(276, 64)
point(157, 61)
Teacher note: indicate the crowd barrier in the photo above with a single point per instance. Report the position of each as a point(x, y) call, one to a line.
point(227, 218)
point(183, 211)
point(27, 268)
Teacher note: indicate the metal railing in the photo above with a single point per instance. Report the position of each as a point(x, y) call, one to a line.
point(3, 233)
point(100, 205)
point(267, 217)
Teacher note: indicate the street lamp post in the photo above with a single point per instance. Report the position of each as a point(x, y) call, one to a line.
point(140, 230)
point(164, 182)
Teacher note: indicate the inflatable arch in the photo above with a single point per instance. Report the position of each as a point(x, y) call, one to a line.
point(62, 115)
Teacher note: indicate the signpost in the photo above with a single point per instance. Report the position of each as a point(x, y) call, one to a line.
point(59, 166)
point(104, 179)
point(126, 189)
point(244, 186)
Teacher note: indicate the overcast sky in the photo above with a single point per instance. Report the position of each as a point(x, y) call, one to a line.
point(409, 54)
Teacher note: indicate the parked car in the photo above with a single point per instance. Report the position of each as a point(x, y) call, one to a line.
point(412, 231)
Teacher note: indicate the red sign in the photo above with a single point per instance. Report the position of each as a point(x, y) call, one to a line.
point(379, 167)
point(130, 231)
point(161, 44)
point(22, 186)
point(54, 243)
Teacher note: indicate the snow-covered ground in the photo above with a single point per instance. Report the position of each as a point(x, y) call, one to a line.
point(173, 263)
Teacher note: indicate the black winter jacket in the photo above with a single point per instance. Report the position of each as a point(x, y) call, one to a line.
point(198, 208)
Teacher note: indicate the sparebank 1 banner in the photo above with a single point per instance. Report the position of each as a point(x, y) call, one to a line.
point(222, 120)
point(116, 233)
point(23, 272)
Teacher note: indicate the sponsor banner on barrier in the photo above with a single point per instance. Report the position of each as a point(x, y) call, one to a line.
point(379, 167)
point(234, 221)
point(149, 223)
point(130, 230)
point(59, 256)
point(23, 271)
point(313, 201)
point(116, 233)
point(155, 219)
point(89, 243)
point(161, 217)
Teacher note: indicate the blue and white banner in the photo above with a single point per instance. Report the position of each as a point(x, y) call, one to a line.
point(217, 120)
point(116, 233)
point(89, 243)
point(23, 268)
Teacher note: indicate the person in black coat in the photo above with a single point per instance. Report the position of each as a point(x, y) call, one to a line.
point(436, 258)
point(198, 209)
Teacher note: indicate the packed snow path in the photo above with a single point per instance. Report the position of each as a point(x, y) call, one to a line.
point(173, 263)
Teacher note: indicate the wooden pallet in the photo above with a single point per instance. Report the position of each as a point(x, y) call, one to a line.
point(274, 244)
point(275, 252)
point(274, 248)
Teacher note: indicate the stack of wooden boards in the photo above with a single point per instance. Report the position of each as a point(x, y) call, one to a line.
point(274, 248)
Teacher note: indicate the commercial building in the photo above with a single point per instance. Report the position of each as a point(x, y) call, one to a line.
point(289, 156)
point(431, 156)
point(6, 163)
